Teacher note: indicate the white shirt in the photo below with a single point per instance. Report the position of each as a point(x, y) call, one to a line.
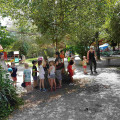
point(41, 70)
point(52, 72)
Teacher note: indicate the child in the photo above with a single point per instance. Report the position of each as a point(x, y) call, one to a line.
point(46, 67)
point(34, 73)
point(27, 78)
point(52, 75)
point(14, 73)
point(84, 63)
point(49, 74)
point(58, 72)
point(62, 57)
point(41, 75)
point(70, 71)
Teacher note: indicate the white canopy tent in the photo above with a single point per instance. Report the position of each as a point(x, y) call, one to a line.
point(104, 46)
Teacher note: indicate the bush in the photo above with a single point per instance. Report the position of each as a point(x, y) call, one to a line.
point(9, 99)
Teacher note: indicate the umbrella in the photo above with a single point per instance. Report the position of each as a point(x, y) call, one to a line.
point(104, 46)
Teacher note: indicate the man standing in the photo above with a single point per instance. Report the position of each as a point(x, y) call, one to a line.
point(91, 57)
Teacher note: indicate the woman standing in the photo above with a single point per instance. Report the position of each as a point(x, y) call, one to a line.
point(91, 57)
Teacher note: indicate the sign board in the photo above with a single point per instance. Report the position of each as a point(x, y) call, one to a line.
point(16, 52)
point(16, 60)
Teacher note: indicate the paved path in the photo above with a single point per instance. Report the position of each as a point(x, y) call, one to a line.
point(93, 97)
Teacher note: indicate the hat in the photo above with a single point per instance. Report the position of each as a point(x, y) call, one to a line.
point(91, 47)
point(40, 58)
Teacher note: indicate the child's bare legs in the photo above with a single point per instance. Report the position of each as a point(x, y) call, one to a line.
point(71, 79)
point(60, 83)
point(35, 83)
point(43, 83)
point(63, 70)
point(85, 72)
point(54, 83)
point(29, 88)
point(49, 81)
point(40, 83)
point(51, 84)
point(14, 81)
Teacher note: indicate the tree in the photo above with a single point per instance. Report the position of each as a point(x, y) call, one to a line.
point(115, 27)
point(56, 18)
point(22, 46)
point(6, 38)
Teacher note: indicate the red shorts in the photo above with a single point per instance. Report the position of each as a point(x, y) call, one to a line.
point(27, 83)
point(71, 74)
point(14, 79)
point(84, 66)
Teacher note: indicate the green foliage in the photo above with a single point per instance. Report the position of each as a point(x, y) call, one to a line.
point(22, 46)
point(9, 99)
point(6, 38)
point(56, 18)
point(115, 25)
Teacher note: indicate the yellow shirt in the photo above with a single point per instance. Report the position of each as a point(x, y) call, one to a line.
point(84, 62)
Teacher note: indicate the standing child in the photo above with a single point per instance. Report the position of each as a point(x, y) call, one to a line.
point(84, 63)
point(49, 74)
point(71, 71)
point(62, 58)
point(46, 67)
point(52, 75)
point(14, 74)
point(27, 78)
point(41, 75)
point(34, 73)
point(58, 72)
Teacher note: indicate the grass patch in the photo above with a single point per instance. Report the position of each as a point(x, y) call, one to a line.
point(29, 61)
point(118, 68)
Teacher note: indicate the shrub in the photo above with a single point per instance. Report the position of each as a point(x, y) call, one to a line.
point(9, 99)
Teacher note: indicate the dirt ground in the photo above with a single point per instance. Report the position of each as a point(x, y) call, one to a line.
point(93, 97)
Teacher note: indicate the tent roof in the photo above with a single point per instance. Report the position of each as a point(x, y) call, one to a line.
point(104, 46)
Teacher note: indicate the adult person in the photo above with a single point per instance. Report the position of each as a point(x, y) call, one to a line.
point(57, 52)
point(23, 58)
point(91, 57)
point(62, 58)
point(67, 54)
point(62, 55)
point(57, 57)
point(2, 62)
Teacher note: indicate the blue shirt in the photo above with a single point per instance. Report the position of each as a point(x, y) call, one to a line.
point(27, 73)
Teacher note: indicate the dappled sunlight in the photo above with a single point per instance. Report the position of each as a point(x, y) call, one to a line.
point(71, 91)
point(31, 104)
point(52, 97)
point(79, 74)
point(91, 96)
point(109, 78)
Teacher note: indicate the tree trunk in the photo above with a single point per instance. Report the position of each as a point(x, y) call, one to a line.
point(56, 44)
point(97, 45)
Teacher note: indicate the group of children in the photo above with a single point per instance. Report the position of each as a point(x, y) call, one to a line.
point(51, 71)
